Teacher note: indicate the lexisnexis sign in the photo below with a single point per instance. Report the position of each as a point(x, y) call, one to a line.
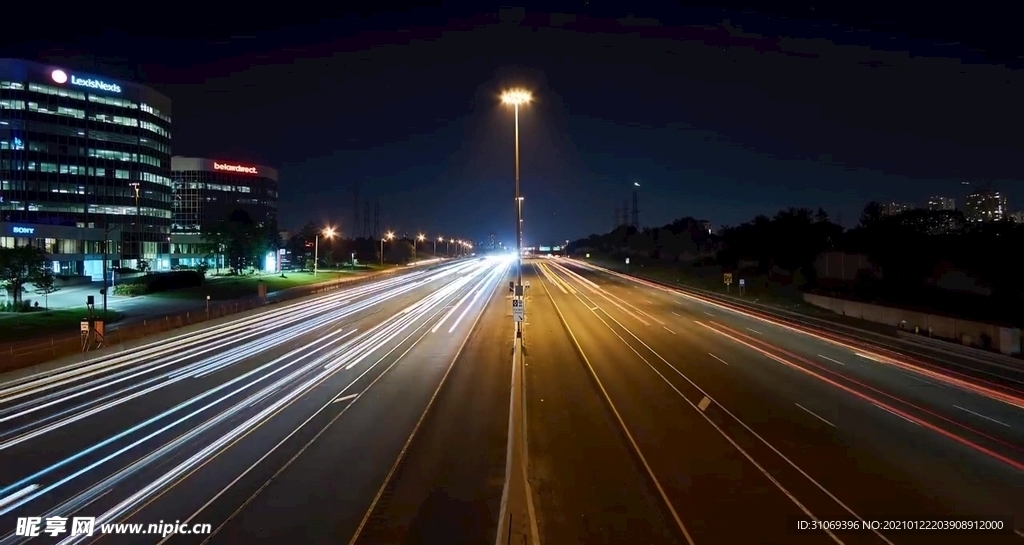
point(62, 77)
point(234, 168)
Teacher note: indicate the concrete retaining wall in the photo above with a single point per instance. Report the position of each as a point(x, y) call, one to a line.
point(1005, 340)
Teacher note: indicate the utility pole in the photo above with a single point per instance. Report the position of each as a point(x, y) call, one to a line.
point(138, 225)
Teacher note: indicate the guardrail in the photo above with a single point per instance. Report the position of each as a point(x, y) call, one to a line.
point(31, 352)
point(793, 318)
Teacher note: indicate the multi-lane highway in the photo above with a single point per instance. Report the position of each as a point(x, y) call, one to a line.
point(744, 427)
point(381, 414)
point(282, 426)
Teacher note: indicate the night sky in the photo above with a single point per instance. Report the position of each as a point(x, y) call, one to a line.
point(718, 113)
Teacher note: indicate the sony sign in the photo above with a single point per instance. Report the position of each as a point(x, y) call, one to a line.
point(23, 230)
point(234, 168)
point(60, 76)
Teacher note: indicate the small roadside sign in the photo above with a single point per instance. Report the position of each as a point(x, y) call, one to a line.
point(727, 278)
point(743, 282)
point(627, 261)
point(518, 312)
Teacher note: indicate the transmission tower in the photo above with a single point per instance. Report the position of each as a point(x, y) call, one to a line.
point(376, 219)
point(355, 209)
point(635, 219)
point(366, 219)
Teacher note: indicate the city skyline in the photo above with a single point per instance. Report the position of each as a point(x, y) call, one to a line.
point(729, 159)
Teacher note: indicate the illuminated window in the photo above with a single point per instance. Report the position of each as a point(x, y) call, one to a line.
point(12, 104)
point(56, 91)
point(11, 85)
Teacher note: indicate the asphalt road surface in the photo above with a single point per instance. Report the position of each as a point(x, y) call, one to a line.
point(281, 427)
point(748, 428)
point(380, 414)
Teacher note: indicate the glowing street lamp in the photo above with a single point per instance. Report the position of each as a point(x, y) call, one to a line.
point(326, 232)
point(387, 236)
point(516, 98)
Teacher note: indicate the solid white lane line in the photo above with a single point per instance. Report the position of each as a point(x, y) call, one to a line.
point(900, 416)
point(717, 358)
point(345, 398)
point(830, 359)
point(979, 415)
point(815, 415)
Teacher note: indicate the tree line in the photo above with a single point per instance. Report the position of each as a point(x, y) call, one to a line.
point(907, 251)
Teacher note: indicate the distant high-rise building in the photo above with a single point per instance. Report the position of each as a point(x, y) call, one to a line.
point(894, 208)
point(1017, 217)
point(985, 205)
point(941, 203)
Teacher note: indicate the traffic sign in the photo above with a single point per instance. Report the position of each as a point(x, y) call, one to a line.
point(518, 311)
point(743, 282)
point(727, 277)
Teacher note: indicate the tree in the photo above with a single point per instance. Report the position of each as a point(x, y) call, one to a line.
point(44, 280)
point(241, 241)
point(18, 266)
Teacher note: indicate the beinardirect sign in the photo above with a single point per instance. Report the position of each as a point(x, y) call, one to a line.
point(18, 230)
point(60, 76)
point(235, 168)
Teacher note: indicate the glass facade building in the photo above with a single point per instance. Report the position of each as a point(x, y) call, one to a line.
point(207, 191)
point(83, 159)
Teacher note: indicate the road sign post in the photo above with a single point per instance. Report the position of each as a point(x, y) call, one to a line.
point(742, 284)
point(727, 278)
point(518, 311)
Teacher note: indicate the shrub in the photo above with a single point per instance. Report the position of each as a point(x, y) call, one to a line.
point(130, 290)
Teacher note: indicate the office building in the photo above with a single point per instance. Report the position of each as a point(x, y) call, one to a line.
point(985, 205)
point(83, 159)
point(208, 191)
point(937, 204)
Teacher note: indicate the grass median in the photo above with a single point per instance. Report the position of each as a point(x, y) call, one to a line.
point(225, 288)
point(21, 326)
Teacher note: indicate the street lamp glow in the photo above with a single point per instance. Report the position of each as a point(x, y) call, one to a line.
point(387, 236)
point(516, 97)
point(421, 237)
point(636, 184)
point(326, 232)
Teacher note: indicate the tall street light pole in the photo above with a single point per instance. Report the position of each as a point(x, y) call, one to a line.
point(388, 236)
point(138, 226)
point(435, 245)
point(517, 97)
point(327, 232)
